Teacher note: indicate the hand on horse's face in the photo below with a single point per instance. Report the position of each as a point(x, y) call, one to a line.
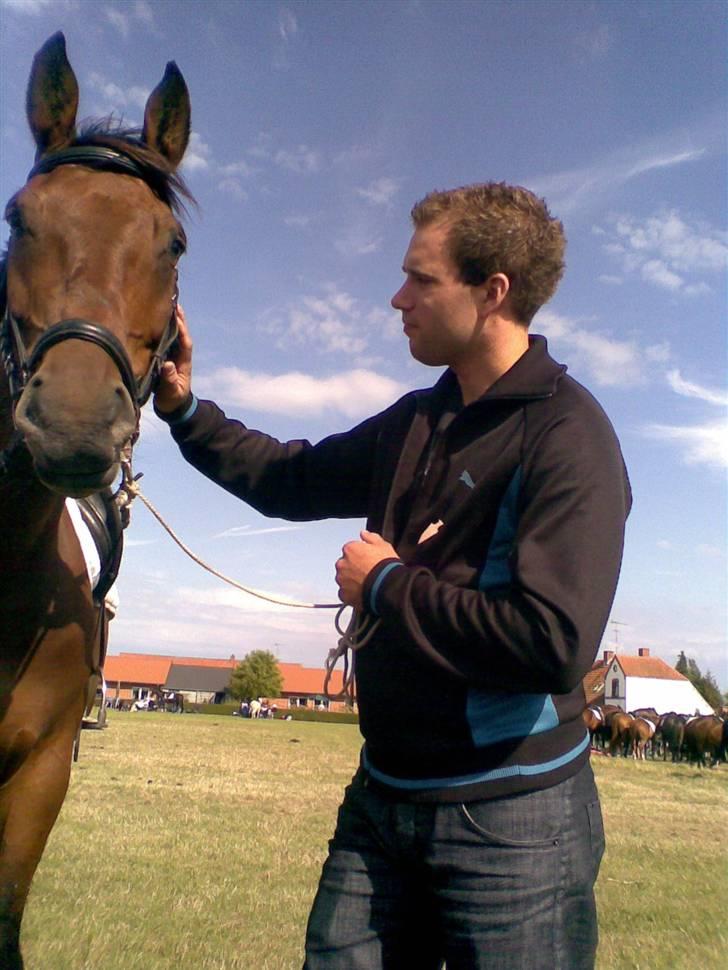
point(175, 378)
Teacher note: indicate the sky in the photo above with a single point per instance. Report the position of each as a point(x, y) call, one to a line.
point(315, 127)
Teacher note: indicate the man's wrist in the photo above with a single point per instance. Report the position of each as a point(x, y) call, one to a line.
point(181, 413)
point(374, 581)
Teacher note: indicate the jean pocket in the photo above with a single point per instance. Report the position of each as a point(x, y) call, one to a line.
point(520, 821)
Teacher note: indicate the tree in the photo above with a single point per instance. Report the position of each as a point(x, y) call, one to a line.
point(257, 675)
point(706, 685)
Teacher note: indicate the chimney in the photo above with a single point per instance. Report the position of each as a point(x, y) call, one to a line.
point(608, 656)
point(643, 652)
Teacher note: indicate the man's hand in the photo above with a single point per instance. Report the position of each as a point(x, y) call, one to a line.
point(175, 378)
point(357, 561)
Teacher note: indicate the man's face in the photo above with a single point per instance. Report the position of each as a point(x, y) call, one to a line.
point(439, 311)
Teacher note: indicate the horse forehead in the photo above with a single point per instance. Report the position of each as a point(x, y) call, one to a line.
point(99, 197)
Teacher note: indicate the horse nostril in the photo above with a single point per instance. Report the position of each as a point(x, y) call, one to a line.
point(36, 382)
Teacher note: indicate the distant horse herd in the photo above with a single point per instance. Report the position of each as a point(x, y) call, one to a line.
point(701, 740)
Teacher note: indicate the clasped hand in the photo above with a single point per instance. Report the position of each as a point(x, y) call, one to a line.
point(358, 558)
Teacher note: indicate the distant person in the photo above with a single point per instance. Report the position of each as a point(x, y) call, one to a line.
point(495, 504)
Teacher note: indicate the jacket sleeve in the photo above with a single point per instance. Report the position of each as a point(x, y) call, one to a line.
point(541, 631)
point(292, 480)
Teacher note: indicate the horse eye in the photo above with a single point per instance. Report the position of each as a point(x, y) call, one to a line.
point(14, 219)
point(178, 247)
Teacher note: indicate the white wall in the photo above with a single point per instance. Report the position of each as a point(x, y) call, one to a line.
point(664, 695)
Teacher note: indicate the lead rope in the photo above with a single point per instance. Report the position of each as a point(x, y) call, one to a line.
point(358, 632)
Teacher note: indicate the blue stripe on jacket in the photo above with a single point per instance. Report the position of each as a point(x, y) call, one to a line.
point(496, 716)
point(509, 771)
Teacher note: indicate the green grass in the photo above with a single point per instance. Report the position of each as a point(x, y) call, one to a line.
point(197, 842)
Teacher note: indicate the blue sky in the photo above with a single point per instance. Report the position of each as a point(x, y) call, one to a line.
point(316, 125)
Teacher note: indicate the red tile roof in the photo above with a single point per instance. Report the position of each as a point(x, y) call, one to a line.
point(141, 669)
point(647, 667)
point(145, 669)
point(594, 683)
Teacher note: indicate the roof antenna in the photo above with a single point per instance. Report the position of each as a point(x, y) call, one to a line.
point(617, 624)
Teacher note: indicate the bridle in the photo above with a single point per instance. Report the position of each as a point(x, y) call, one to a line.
point(20, 365)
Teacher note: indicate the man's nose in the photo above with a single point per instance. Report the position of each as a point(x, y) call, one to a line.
point(399, 300)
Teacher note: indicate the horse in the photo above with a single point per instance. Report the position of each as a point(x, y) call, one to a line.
point(255, 708)
point(87, 299)
point(171, 701)
point(598, 721)
point(671, 729)
point(620, 733)
point(705, 737)
point(641, 731)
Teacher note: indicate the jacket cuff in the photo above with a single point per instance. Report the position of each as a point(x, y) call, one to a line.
point(374, 580)
point(183, 413)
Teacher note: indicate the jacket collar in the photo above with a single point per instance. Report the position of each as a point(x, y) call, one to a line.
point(534, 375)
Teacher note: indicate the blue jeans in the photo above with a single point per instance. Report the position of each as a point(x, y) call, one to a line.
point(505, 884)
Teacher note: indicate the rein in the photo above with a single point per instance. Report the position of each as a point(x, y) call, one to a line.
point(356, 635)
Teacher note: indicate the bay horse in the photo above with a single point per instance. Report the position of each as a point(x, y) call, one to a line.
point(87, 299)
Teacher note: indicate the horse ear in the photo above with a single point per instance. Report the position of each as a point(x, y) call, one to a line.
point(52, 97)
point(167, 116)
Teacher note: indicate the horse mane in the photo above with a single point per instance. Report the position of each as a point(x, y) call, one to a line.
point(167, 184)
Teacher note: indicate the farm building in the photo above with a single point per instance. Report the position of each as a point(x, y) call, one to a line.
point(133, 676)
point(633, 682)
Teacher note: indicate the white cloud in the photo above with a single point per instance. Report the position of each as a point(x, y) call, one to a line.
point(705, 444)
point(608, 361)
point(118, 20)
point(667, 250)
point(115, 97)
point(301, 160)
point(287, 23)
point(358, 241)
point(595, 44)
point(655, 271)
point(238, 169)
point(689, 389)
point(233, 188)
point(700, 444)
point(143, 12)
point(354, 393)
point(330, 322)
point(198, 155)
point(710, 552)
point(297, 221)
point(658, 353)
point(245, 531)
point(380, 192)
point(32, 7)
point(578, 188)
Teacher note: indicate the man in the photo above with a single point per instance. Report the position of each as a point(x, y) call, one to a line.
point(495, 505)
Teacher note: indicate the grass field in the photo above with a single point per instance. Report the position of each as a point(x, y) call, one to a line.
point(196, 842)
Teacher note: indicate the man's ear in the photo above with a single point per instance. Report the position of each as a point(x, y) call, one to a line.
point(493, 293)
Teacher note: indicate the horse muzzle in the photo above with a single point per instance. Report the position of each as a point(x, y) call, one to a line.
point(75, 430)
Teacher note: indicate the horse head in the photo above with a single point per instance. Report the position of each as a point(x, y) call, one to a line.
point(91, 274)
